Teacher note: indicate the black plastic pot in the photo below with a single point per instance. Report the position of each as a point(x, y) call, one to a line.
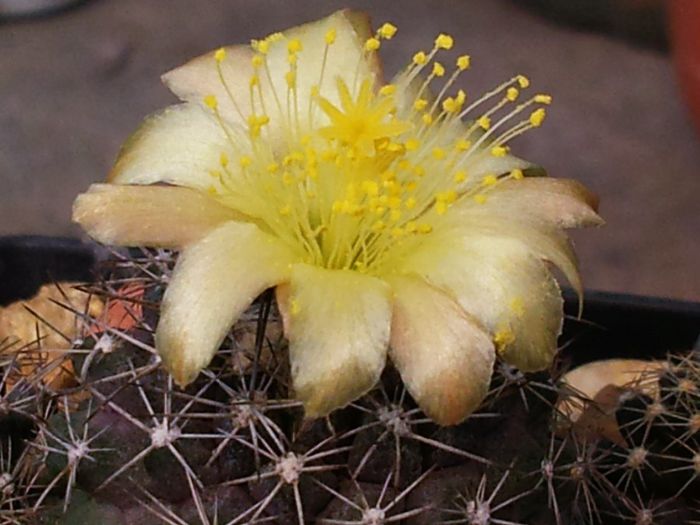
point(613, 325)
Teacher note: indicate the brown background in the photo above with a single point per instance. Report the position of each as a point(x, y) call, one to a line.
point(73, 86)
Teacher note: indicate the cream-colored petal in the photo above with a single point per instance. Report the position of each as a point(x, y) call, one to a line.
point(561, 202)
point(345, 58)
point(444, 356)
point(200, 77)
point(181, 145)
point(338, 333)
point(159, 216)
point(541, 238)
point(214, 281)
point(499, 282)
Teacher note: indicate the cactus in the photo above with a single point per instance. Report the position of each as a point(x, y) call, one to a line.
point(121, 444)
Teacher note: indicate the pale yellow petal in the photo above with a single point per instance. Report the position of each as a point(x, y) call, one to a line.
point(344, 59)
point(542, 239)
point(338, 332)
point(562, 202)
point(159, 216)
point(200, 78)
point(499, 282)
point(214, 281)
point(181, 145)
point(444, 356)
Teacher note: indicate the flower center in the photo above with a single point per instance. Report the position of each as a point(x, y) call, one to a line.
point(346, 181)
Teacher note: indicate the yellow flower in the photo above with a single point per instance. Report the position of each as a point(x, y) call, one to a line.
point(290, 164)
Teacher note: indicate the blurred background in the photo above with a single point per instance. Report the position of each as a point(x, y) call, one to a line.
point(75, 82)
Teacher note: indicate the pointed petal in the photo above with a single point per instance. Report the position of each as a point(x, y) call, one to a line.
point(497, 281)
point(338, 335)
point(159, 216)
point(444, 356)
point(200, 77)
point(214, 281)
point(542, 239)
point(180, 145)
point(561, 202)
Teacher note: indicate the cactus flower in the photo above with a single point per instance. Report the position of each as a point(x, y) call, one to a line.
point(392, 221)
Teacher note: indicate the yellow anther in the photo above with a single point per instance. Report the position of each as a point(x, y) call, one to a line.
point(460, 176)
point(223, 159)
point(370, 187)
point(245, 161)
point(397, 232)
point(378, 226)
point(463, 145)
point(291, 78)
point(447, 197)
point(387, 90)
point(440, 207)
point(331, 35)
point(451, 105)
point(420, 58)
point(394, 203)
point(254, 80)
point(424, 228)
point(410, 203)
point(517, 306)
point(411, 227)
point(395, 215)
point(512, 94)
point(419, 171)
point(220, 55)
point(438, 69)
point(480, 198)
point(412, 144)
point(523, 81)
point(484, 122)
point(444, 41)
point(372, 44)
point(461, 97)
point(257, 61)
point(387, 30)
point(438, 153)
point(499, 151)
point(211, 102)
point(294, 46)
point(292, 59)
point(420, 104)
point(543, 99)
point(262, 46)
point(463, 62)
point(489, 180)
point(517, 174)
point(537, 117)
point(427, 119)
point(502, 338)
point(273, 167)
